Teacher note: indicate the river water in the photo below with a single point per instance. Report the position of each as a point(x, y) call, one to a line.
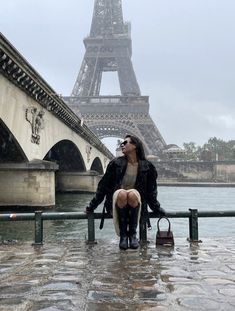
point(171, 198)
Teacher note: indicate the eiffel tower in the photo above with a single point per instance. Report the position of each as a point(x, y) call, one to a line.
point(109, 48)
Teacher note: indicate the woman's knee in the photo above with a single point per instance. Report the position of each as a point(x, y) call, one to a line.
point(132, 199)
point(121, 199)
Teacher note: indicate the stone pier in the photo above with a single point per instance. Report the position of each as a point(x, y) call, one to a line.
point(27, 184)
point(77, 181)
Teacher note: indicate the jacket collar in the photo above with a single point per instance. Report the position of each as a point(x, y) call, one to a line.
point(122, 162)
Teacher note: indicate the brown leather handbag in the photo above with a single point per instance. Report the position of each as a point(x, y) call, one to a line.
point(164, 237)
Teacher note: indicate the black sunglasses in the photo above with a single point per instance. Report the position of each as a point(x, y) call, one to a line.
point(126, 142)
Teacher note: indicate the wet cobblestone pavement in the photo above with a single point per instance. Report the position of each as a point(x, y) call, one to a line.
point(75, 276)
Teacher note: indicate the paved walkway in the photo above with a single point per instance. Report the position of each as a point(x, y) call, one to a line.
point(75, 276)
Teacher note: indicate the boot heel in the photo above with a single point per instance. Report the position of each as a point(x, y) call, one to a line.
point(134, 244)
point(123, 243)
point(133, 223)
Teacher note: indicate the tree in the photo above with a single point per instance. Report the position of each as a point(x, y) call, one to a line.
point(214, 150)
point(191, 153)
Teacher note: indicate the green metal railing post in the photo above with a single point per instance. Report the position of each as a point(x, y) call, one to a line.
point(143, 229)
point(193, 225)
point(38, 228)
point(91, 227)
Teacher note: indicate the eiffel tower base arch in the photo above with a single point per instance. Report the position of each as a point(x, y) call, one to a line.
point(116, 116)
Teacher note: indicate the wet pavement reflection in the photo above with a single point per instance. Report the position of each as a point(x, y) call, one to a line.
point(72, 275)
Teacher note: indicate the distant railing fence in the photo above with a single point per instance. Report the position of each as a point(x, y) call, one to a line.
point(39, 217)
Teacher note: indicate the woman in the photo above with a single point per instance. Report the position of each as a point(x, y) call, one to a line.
point(129, 185)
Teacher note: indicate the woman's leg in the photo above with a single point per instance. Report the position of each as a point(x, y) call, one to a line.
point(121, 206)
point(134, 203)
point(126, 208)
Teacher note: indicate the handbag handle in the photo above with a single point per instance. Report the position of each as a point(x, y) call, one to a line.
point(169, 225)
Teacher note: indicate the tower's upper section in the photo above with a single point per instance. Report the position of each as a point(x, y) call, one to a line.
point(108, 48)
point(107, 19)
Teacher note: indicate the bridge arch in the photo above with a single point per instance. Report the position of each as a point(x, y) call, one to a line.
point(67, 155)
point(97, 166)
point(116, 129)
point(106, 128)
point(9, 146)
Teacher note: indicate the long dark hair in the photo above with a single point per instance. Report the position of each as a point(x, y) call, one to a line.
point(139, 146)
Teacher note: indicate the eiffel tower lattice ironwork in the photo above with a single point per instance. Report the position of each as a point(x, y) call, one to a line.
point(109, 48)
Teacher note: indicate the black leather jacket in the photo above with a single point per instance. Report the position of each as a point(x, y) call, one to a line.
point(146, 184)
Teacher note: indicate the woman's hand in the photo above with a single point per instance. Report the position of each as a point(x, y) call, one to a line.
point(89, 210)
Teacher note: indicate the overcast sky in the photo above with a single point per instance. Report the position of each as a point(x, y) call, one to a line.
point(183, 57)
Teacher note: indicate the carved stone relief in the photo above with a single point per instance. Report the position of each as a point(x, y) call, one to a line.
point(88, 152)
point(35, 117)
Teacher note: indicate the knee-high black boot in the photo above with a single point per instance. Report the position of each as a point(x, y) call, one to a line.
point(133, 223)
point(122, 218)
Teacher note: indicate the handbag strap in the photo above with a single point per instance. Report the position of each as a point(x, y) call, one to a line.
point(102, 219)
point(158, 224)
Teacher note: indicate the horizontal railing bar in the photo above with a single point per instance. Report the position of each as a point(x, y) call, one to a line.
point(217, 214)
point(82, 215)
point(173, 215)
point(17, 216)
point(200, 214)
point(64, 215)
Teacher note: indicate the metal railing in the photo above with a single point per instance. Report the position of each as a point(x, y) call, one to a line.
point(39, 217)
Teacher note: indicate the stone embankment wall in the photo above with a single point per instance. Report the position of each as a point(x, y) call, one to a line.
point(220, 171)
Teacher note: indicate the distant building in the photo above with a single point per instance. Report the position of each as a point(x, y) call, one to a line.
point(174, 152)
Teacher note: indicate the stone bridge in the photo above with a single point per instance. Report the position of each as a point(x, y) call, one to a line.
point(43, 144)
